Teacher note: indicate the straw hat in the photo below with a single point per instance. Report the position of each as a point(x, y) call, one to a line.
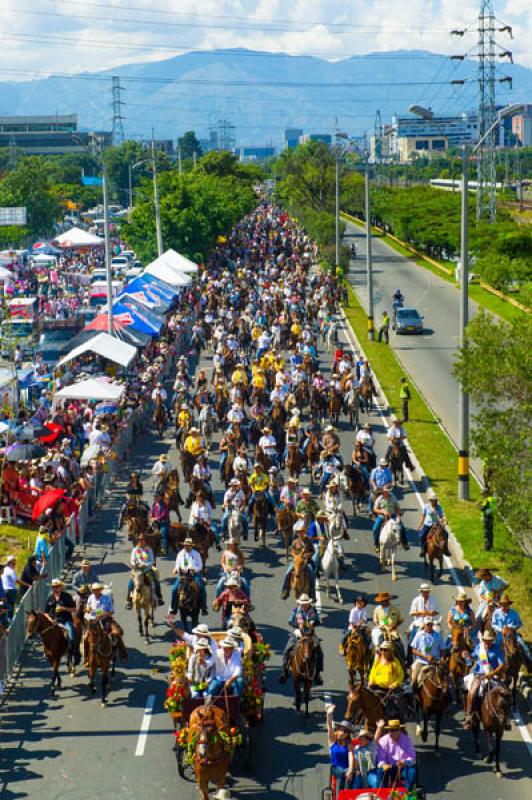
point(505, 599)
point(97, 585)
point(383, 596)
point(201, 630)
point(395, 725)
point(227, 642)
point(304, 599)
point(462, 597)
point(425, 587)
point(488, 636)
point(57, 582)
point(385, 646)
point(163, 458)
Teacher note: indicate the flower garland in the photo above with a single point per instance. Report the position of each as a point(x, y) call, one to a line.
point(175, 694)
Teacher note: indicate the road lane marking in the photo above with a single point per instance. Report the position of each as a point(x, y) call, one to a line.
point(145, 725)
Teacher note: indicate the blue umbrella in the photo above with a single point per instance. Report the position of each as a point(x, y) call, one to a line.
point(126, 316)
point(105, 408)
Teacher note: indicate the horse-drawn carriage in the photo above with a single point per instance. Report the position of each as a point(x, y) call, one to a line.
point(397, 792)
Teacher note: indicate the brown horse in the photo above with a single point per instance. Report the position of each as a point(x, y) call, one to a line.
point(220, 403)
point(396, 462)
point(294, 460)
point(460, 641)
point(201, 536)
point(208, 747)
point(313, 454)
point(261, 512)
point(136, 517)
point(356, 487)
point(159, 415)
point(356, 656)
point(187, 464)
point(100, 654)
point(366, 392)
point(513, 658)
point(301, 394)
point(262, 458)
point(228, 471)
point(335, 405)
point(362, 702)
point(172, 495)
point(318, 404)
point(432, 698)
point(493, 714)
point(303, 667)
point(188, 600)
point(300, 578)
point(434, 549)
point(54, 639)
point(285, 523)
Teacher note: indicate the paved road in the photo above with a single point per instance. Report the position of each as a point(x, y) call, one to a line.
point(57, 749)
point(428, 358)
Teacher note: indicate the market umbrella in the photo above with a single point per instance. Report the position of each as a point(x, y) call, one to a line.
point(51, 432)
point(4, 426)
point(105, 408)
point(45, 501)
point(33, 430)
point(24, 452)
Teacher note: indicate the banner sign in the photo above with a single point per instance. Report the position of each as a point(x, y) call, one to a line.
point(14, 215)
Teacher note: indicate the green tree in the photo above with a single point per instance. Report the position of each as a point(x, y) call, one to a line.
point(496, 370)
point(189, 144)
point(30, 184)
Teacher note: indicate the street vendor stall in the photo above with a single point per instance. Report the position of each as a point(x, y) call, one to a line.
point(105, 346)
point(90, 389)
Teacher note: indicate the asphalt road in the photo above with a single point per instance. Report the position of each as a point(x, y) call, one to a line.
point(62, 748)
point(428, 357)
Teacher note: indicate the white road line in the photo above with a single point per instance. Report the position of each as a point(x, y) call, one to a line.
point(523, 730)
point(145, 725)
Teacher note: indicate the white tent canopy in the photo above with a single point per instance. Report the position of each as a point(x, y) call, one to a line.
point(76, 237)
point(90, 389)
point(41, 258)
point(107, 346)
point(177, 261)
point(166, 273)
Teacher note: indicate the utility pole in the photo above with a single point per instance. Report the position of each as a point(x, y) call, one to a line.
point(158, 228)
point(118, 119)
point(337, 198)
point(179, 160)
point(463, 400)
point(194, 158)
point(130, 184)
point(108, 272)
point(369, 255)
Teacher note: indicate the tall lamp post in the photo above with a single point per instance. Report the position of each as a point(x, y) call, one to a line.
point(463, 400)
point(158, 228)
point(369, 254)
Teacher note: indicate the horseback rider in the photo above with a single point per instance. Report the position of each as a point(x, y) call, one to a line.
point(396, 432)
point(100, 606)
point(259, 482)
point(188, 562)
point(59, 607)
point(201, 517)
point(160, 516)
point(288, 496)
point(183, 422)
point(386, 507)
point(380, 477)
point(461, 612)
point(194, 443)
point(366, 438)
point(386, 672)
point(303, 619)
point(507, 617)
point(232, 561)
point(423, 605)
point(234, 499)
point(268, 445)
point(432, 514)
point(488, 665)
point(143, 560)
point(81, 583)
point(386, 621)
point(134, 492)
point(302, 545)
point(329, 466)
point(306, 505)
point(159, 395)
point(358, 621)
point(333, 503)
point(160, 471)
point(427, 647)
point(489, 586)
point(233, 595)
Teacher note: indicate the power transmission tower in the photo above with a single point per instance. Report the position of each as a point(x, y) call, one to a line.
point(489, 52)
point(378, 137)
point(118, 119)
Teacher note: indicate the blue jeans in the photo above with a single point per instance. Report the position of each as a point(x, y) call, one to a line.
point(325, 478)
point(365, 473)
point(377, 525)
point(423, 535)
point(372, 781)
point(389, 777)
point(163, 529)
point(11, 599)
point(225, 522)
point(216, 687)
point(199, 583)
point(244, 583)
point(71, 633)
point(341, 778)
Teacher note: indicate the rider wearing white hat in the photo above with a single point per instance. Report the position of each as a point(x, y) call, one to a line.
point(423, 605)
point(427, 647)
point(303, 619)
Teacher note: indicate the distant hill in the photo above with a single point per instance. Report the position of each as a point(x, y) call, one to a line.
point(194, 91)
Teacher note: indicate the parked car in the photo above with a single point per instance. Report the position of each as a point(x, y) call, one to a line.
point(408, 320)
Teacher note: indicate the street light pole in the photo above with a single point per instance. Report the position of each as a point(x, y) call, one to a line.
point(158, 228)
point(108, 272)
point(369, 257)
point(337, 208)
point(130, 175)
point(463, 399)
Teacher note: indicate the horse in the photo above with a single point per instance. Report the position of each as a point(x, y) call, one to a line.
point(209, 748)
point(207, 424)
point(187, 464)
point(300, 578)
point(235, 525)
point(188, 600)
point(352, 406)
point(366, 392)
point(220, 403)
point(172, 495)
point(261, 512)
point(356, 653)
point(460, 641)
point(330, 565)
point(100, 653)
point(335, 405)
point(54, 639)
point(363, 702)
point(312, 452)
point(228, 471)
point(432, 698)
point(285, 523)
point(301, 395)
point(159, 415)
point(303, 666)
point(389, 539)
point(143, 599)
point(262, 458)
point(336, 524)
point(356, 487)
point(513, 658)
point(318, 404)
point(434, 549)
point(396, 462)
point(493, 714)
point(136, 517)
point(294, 460)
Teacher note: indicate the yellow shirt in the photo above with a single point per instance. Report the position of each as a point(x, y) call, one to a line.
point(296, 329)
point(194, 445)
point(386, 674)
point(184, 417)
point(279, 364)
point(259, 483)
point(255, 333)
point(387, 616)
point(259, 381)
point(239, 376)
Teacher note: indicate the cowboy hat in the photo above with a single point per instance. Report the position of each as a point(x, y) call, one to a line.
point(329, 429)
point(428, 620)
point(364, 733)
point(425, 587)
point(97, 585)
point(193, 429)
point(202, 644)
point(300, 525)
point(383, 462)
point(431, 494)
point(229, 643)
point(188, 540)
point(85, 563)
point(163, 458)
point(304, 599)
point(345, 724)
point(236, 633)
point(395, 725)
point(306, 490)
point(201, 630)
point(488, 636)
point(234, 482)
point(57, 582)
point(385, 646)
point(383, 596)
point(232, 581)
point(505, 599)
point(462, 597)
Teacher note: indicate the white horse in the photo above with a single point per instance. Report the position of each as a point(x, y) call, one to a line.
point(235, 525)
point(331, 335)
point(206, 422)
point(352, 404)
point(330, 565)
point(336, 523)
point(389, 539)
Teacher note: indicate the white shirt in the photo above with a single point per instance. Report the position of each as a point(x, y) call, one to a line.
point(225, 670)
point(235, 415)
point(268, 444)
point(192, 638)
point(162, 392)
point(365, 438)
point(188, 561)
point(159, 468)
point(234, 499)
point(358, 616)
point(200, 513)
point(419, 604)
point(9, 579)
point(396, 432)
point(240, 463)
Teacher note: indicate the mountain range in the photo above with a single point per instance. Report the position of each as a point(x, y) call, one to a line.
point(262, 93)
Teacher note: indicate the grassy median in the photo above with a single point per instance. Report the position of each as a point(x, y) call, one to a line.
point(438, 458)
point(479, 295)
point(17, 540)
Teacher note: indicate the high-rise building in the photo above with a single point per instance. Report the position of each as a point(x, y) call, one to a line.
point(49, 135)
point(292, 136)
point(522, 126)
point(326, 138)
point(425, 134)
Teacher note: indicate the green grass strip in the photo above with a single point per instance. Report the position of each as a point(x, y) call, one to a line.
point(438, 458)
point(479, 295)
point(17, 540)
